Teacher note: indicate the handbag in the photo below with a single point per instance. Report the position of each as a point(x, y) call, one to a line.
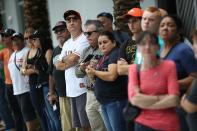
point(130, 112)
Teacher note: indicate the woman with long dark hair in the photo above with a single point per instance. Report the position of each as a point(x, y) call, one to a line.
point(36, 66)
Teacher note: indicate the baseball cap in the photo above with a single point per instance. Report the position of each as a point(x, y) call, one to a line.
point(71, 12)
point(59, 24)
point(134, 12)
point(8, 32)
point(17, 35)
point(105, 14)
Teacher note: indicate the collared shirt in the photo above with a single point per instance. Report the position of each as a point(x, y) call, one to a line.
point(89, 50)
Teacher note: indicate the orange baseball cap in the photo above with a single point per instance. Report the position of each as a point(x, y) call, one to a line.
point(135, 12)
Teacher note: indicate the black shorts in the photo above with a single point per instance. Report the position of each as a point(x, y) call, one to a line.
point(26, 107)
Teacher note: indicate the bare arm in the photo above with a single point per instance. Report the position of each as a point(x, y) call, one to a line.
point(188, 106)
point(109, 75)
point(52, 97)
point(67, 62)
point(155, 101)
point(48, 56)
point(122, 67)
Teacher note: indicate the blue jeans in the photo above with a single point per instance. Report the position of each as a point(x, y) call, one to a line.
point(37, 99)
point(113, 116)
point(54, 116)
point(139, 127)
point(5, 112)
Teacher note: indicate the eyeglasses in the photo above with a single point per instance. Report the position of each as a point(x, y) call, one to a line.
point(74, 18)
point(89, 33)
point(59, 31)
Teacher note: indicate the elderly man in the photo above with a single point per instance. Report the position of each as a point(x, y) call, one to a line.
point(93, 108)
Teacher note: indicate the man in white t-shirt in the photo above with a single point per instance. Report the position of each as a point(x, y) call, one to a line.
point(68, 59)
point(20, 82)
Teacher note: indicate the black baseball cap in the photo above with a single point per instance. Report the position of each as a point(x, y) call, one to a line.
point(59, 24)
point(8, 32)
point(106, 14)
point(17, 35)
point(71, 12)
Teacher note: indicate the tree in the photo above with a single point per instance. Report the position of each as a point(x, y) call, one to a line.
point(121, 7)
point(36, 14)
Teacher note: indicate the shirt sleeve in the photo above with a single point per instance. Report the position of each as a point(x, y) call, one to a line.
point(192, 97)
point(78, 72)
point(113, 57)
point(122, 51)
point(62, 54)
point(188, 60)
point(172, 82)
point(133, 80)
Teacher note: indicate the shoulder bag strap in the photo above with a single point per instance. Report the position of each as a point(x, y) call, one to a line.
point(138, 74)
point(15, 62)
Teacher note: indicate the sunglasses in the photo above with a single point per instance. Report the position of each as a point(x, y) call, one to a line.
point(89, 33)
point(74, 18)
point(59, 31)
point(27, 38)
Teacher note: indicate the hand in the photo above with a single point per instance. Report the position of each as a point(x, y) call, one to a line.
point(139, 100)
point(52, 98)
point(83, 66)
point(90, 71)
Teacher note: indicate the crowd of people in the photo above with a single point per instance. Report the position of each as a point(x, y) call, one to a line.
point(86, 81)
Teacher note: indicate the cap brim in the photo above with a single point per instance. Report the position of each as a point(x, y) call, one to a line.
point(54, 28)
point(13, 37)
point(71, 12)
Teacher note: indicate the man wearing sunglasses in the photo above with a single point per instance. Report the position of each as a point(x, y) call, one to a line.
point(57, 79)
point(93, 107)
point(68, 59)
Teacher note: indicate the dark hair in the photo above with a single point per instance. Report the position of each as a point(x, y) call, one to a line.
point(45, 40)
point(98, 25)
point(178, 23)
point(109, 35)
point(153, 37)
point(106, 14)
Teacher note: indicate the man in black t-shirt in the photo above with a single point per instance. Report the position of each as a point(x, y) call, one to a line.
point(57, 79)
point(128, 49)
